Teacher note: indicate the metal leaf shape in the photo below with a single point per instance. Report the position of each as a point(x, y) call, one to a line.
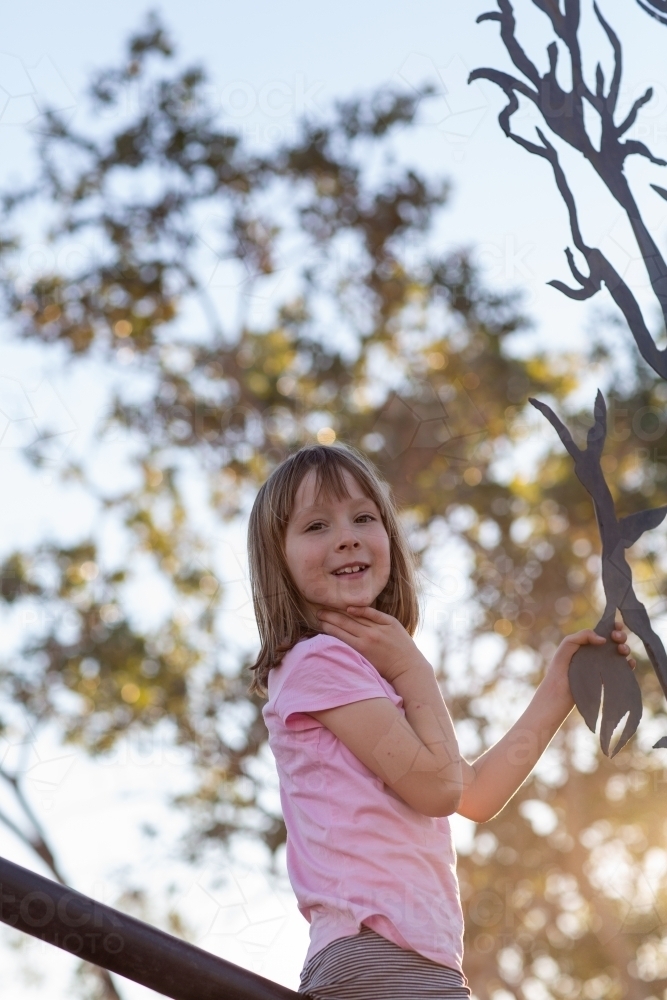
point(633, 526)
point(586, 684)
point(594, 668)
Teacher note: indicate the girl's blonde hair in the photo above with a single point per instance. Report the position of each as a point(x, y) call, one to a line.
point(279, 607)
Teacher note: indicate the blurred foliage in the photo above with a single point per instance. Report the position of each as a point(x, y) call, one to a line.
point(253, 302)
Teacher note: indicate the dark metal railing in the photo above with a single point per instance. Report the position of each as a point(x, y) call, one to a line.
point(122, 944)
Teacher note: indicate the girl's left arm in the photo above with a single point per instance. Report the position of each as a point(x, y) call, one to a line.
point(491, 781)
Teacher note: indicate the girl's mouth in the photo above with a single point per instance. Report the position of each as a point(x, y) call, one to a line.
point(351, 571)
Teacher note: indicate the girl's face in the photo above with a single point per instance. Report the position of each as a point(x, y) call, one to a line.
point(337, 551)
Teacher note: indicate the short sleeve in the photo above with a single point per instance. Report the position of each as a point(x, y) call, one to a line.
point(328, 674)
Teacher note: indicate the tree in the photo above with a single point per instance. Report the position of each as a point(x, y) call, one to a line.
point(373, 337)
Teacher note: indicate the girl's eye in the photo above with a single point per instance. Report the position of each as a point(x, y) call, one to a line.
point(365, 518)
point(315, 525)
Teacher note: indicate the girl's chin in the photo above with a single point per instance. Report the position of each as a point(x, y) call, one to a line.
point(341, 602)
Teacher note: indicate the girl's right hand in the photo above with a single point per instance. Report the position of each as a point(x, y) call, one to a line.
point(377, 636)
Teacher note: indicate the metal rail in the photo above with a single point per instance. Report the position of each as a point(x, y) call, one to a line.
point(122, 944)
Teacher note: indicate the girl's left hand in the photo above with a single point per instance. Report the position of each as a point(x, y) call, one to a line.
point(557, 669)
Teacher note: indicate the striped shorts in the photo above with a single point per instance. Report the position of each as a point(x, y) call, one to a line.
point(367, 966)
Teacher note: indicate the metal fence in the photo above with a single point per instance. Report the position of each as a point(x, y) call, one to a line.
point(122, 944)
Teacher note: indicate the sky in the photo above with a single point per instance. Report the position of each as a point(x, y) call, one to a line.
point(269, 63)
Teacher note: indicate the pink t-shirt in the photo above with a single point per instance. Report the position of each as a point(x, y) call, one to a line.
point(356, 852)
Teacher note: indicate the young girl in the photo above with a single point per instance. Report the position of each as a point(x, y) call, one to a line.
point(366, 753)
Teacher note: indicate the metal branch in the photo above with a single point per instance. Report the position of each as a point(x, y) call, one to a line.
point(630, 118)
point(615, 85)
point(656, 8)
point(552, 9)
point(599, 84)
point(591, 283)
point(596, 668)
point(508, 83)
point(627, 303)
point(516, 53)
point(566, 193)
point(567, 29)
point(588, 289)
point(565, 119)
point(633, 147)
point(559, 427)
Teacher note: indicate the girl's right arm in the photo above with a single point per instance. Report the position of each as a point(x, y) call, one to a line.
point(416, 755)
point(381, 738)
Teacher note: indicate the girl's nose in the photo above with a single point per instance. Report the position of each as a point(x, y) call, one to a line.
point(348, 540)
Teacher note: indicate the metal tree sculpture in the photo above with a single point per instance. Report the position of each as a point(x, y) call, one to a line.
point(656, 8)
point(563, 112)
point(595, 667)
